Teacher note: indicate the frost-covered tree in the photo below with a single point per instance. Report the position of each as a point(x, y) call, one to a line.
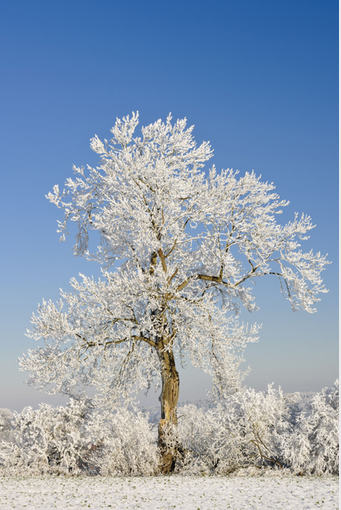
point(179, 250)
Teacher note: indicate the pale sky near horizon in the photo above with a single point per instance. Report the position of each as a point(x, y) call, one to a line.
point(259, 80)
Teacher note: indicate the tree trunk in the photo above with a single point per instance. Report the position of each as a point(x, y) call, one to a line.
point(169, 401)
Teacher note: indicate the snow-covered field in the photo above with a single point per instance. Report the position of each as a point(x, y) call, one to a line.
point(168, 492)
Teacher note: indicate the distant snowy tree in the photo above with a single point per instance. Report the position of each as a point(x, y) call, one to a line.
point(185, 249)
point(6, 428)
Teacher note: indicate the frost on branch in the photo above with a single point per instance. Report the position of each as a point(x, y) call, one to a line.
point(150, 196)
point(102, 333)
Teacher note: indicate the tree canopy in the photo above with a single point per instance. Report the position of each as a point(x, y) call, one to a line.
point(179, 249)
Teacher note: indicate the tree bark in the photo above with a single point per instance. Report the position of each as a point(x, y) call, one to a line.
point(169, 401)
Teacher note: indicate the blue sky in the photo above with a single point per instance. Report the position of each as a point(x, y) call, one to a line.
point(259, 80)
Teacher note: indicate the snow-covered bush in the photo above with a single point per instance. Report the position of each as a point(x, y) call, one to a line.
point(124, 443)
point(247, 429)
point(313, 447)
point(259, 421)
point(268, 428)
point(77, 438)
point(46, 440)
point(243, 430)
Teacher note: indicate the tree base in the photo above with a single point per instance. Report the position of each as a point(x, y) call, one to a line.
point(170, 457)
point(168, 461)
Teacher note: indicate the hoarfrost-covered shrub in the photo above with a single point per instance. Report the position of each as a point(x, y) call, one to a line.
point(46, 440)
point(247, 429)
point(313, 448)
point(76, 438)
point(124, 443)
point(258, 422)
point(268, 428)
point(243, 430)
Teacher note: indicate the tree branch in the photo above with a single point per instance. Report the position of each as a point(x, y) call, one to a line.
point(170, 278)
point(163, 260)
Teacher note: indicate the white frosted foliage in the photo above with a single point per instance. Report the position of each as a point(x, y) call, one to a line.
point(180, 251)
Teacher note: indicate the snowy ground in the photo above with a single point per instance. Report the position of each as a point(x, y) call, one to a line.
point(162, 492)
